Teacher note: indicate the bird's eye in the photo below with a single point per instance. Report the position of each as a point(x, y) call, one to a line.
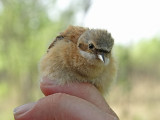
point(91, 46)
point(108, 52)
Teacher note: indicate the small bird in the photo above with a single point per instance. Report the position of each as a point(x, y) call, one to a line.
point(80, 55)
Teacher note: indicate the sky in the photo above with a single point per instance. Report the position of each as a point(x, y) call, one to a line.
point(127, 20)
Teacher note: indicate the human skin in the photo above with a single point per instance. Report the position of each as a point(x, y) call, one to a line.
point(75, 101)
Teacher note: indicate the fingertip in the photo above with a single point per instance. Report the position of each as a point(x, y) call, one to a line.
point(85, 91)
point(47, 86)
point(46, 81)
point(82, 90)
point(19, 112)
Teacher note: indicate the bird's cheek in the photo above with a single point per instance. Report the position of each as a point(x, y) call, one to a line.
point(87, 55)
point(106, 61)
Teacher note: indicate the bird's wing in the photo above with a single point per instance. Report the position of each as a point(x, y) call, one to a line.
point(72, 33)
point(60, 37)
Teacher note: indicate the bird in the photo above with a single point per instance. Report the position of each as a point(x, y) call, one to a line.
point(80, 55)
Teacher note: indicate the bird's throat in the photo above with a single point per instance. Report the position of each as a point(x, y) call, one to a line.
point(87, 55)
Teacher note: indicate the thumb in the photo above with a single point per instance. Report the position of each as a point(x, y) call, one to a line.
point(60, 106)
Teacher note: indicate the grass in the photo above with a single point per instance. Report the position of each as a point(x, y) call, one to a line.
point(142, 102)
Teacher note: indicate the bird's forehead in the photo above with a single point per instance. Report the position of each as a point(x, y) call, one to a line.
point(101, 38)
point(102, 43)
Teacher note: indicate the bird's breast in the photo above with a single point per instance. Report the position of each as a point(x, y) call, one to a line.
point(64, 61)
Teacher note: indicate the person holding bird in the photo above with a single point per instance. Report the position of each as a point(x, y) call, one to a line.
point(80, 55)
point(76, 71)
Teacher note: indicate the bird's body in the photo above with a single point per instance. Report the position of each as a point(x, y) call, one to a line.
point(77, 55)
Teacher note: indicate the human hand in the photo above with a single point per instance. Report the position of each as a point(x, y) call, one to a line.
point(76, 101)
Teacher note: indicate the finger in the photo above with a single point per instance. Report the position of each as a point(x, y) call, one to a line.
point(82, 90)
point(61, 107)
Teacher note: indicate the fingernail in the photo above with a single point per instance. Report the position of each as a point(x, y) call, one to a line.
point(47, 82)
point(24, 108)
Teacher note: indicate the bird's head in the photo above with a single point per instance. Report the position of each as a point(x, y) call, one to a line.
point(96, 44)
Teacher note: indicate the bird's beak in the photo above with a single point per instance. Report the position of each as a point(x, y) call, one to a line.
point(101, 57)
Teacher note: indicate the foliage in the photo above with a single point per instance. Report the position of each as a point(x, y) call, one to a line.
point(124, 66)
point(139, 59)
point(26, 29)
point(145, 57)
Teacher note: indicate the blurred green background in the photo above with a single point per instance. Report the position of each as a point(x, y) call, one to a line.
point(26, 29)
